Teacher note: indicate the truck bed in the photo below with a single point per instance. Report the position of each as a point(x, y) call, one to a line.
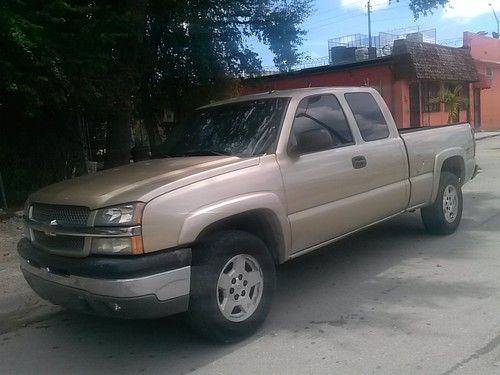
point(427, 147)
point(422, 128)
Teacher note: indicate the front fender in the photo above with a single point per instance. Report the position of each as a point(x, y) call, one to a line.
point(200, 219)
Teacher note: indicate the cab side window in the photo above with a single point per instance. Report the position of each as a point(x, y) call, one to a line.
point(320, 124)
point(369, 117)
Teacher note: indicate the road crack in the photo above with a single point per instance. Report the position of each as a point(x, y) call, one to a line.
point(489, 347)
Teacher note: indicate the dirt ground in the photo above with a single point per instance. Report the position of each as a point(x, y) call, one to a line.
point(19, 305)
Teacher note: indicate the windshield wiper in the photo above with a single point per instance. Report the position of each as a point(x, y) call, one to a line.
point(205, 153)
point(325, 126)
point(161, 155)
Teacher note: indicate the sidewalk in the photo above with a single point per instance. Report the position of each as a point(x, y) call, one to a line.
point(19, 305)
point(484, 135)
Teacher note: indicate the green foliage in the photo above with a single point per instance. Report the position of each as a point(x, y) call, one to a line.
point(191, 48)
point(59, 54)
point(453, 100)
point(424, 7)
point(63, 59)
point(37, 151)
point(90, 55)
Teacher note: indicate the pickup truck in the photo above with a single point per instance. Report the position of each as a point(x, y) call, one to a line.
point(245, 185)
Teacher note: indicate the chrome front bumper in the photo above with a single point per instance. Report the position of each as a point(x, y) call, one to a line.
point(150, 296)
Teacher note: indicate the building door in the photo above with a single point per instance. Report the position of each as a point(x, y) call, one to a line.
point(415, 105)
point(477, 108)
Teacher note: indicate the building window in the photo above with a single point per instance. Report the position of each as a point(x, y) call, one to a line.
point(430, 91)
point(489, 73)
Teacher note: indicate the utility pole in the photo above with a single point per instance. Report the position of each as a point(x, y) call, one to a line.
point(496, 18)
point(369, 24)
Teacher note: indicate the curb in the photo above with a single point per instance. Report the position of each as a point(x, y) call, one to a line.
point(487, 137)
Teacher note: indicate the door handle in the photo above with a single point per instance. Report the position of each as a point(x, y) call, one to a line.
point(359, 162)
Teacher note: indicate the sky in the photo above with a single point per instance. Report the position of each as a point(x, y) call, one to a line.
point(336, 18)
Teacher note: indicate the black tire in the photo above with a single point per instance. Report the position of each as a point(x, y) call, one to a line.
point(209, 261)
point(434, 217)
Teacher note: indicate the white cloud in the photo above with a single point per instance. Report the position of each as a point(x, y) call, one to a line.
point(361, 4)
point(470, 9)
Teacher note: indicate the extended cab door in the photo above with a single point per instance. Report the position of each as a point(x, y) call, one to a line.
point(335, 181)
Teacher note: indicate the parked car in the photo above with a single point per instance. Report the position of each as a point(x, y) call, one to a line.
point(249, 183)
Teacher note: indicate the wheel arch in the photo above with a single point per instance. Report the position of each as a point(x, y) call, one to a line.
point(451, 161)
point(262, 223)
point(268, 221)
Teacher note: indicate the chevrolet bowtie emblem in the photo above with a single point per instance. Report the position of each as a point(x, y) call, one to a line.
point(53, 223)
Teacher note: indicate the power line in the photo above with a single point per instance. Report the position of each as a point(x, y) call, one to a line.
point(341, 18)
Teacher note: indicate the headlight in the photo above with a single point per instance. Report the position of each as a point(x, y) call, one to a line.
point(117, 246)
point(122, 215)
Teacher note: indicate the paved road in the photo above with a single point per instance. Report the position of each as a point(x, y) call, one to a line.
point(391, 300)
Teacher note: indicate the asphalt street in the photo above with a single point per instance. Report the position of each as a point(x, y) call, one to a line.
point(390, 300)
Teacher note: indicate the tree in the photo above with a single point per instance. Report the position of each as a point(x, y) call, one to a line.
point(424, 7)
point(134, 58)
point(453, 101)
point(192, 49)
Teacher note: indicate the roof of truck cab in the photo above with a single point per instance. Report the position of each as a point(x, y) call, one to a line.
point(289, 94)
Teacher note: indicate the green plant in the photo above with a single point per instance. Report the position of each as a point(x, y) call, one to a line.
point(453, 100)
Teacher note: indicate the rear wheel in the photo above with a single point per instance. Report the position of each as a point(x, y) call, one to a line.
point(232, 285)
point(444, 216)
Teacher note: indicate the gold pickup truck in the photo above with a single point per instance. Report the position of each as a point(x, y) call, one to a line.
point(245, 185)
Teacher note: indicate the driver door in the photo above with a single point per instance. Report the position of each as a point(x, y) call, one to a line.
point(320, 178)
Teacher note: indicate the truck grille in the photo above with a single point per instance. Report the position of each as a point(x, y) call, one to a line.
point(64, 215)
point(58, 243)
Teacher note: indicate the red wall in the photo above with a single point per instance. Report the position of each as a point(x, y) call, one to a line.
point(401, 103)
point(440, 118)
point(395, 93)
point(376, 76)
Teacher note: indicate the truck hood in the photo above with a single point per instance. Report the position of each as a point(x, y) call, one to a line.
point(141, 181)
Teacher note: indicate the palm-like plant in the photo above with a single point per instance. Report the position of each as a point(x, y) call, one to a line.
point(453, 101)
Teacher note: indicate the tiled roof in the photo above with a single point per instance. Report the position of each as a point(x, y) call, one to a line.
point(426, 61)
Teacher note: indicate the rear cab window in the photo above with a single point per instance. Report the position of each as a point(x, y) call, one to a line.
point(369, 117)
point(320, 117)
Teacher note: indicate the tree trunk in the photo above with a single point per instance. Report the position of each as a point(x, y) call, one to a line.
point(119, 137)
point(82, 135)
point(119, 131)
point(151, 125)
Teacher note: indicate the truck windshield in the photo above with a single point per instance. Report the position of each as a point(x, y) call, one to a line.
point(240, 129)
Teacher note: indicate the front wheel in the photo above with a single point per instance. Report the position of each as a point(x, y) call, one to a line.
point(232, 284)
point(444, 216)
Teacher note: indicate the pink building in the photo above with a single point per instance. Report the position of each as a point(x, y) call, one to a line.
point(486, 95)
